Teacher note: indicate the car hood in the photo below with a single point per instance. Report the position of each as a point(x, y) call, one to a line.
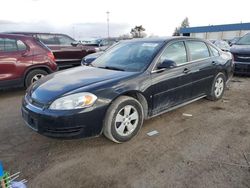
point(56, 85)
point(240, 49)
point(94, 55)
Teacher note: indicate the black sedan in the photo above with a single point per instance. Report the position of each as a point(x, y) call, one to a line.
point(133, 81)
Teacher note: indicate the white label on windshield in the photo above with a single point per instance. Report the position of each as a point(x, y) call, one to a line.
point(153, 45)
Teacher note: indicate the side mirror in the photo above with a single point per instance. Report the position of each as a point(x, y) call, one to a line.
point(167, 64)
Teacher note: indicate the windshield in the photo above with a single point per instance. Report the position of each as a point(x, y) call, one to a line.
point(132, 56)
point(245, 40)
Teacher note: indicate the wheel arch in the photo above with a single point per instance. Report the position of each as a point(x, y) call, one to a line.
point(140, 97)
point(41, 67)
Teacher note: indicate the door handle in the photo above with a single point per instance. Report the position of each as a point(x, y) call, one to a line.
point(186, 70)
point(213, 63)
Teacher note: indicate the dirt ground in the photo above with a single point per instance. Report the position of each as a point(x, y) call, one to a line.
point(209, 149)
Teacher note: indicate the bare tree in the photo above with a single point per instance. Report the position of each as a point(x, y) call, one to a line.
point(138, 32)
point(184, 24)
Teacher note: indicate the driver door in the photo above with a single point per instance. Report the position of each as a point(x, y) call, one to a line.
point(172, 86)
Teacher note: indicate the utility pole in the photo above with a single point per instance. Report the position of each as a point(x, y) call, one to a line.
point(108, 21)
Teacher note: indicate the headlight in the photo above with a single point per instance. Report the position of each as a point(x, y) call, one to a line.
point(74, 101)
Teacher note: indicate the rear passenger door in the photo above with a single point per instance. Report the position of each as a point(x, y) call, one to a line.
point(11, 54)
point(203, 67)
point(174, 85)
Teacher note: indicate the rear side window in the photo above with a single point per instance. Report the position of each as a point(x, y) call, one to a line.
point(1, 44)
point(10, 45)
point(21, 46)
point(175, 52)
point(214, 51)
point(198, 50)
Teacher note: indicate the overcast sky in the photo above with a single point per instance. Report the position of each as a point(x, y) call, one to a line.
point(87, 18)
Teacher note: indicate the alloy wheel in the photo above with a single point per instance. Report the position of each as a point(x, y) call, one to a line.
point(36, 77)
point(219, 87)
point(126, 120)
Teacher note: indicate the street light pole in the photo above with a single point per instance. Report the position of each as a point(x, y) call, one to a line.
point(108, 22)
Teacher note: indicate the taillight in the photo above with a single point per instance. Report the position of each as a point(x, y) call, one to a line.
point(51, 56)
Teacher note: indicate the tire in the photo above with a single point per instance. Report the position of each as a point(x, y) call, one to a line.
point(218, 87)
point(33, 76)
point(123, 119)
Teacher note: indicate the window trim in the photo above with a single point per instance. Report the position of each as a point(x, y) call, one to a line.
point(156, 60)
point(210, 46)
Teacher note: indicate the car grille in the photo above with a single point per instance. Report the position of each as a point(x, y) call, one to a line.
point(242, 68)
point(242, 57)
point(63, 132)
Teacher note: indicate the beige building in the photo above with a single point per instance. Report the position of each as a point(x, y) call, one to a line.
point(215, 32)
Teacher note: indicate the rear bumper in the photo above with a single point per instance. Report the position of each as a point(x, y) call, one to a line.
point(242, 68)
point(68, 63)
point(64, 124)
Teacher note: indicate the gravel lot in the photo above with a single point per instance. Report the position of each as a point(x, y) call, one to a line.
point(205, 150)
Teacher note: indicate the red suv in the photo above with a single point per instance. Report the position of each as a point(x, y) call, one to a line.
point(23, 60)
point(68, 52)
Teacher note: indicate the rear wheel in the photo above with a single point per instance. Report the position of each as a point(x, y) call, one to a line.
point(218, 87)
point(33, 76)
point(123, 119)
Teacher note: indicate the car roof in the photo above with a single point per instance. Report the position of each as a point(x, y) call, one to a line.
point(165, 39)
point(33, 33)
point(15, 36)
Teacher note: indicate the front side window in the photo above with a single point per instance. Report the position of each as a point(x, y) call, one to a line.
point(198, 50)
point(48, 39)
point(64, 40)
point(175, 52)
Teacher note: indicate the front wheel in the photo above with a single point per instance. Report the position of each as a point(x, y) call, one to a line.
point(123, 119)
point(33, 76)
point(218, 87)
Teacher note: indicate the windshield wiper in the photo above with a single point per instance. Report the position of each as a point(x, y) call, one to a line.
point(112, 68)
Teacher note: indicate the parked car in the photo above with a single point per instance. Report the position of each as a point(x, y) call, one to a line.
point(133, 81)
point(233, 41)
point(91, 57)
point(102, 43)
point(241, 53)
point(23, 60)
point(223, 45)
point(68, 52)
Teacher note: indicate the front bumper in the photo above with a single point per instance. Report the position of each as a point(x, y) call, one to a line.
point(242, 67)
point(65, 124)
